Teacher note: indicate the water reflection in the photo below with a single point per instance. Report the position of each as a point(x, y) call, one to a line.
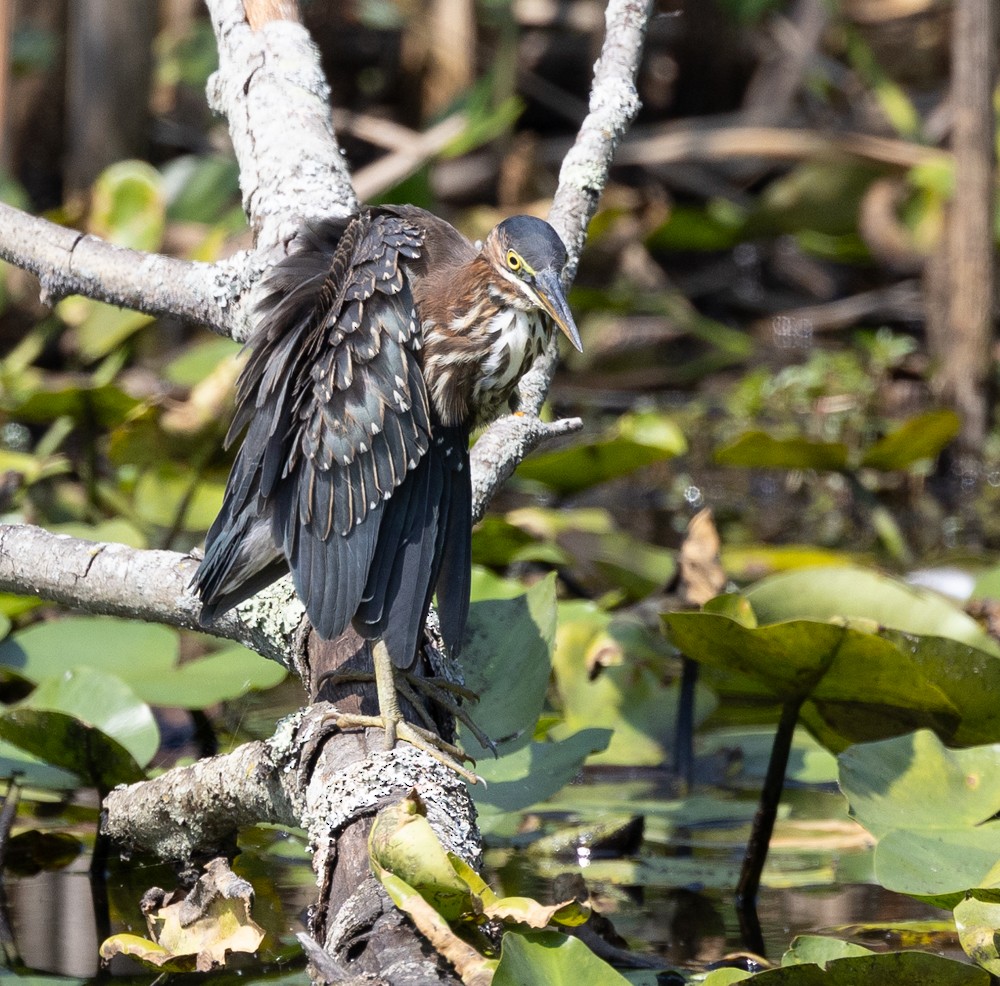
point(53, 922)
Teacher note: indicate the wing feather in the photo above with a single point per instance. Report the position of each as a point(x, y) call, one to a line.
point(331, 433)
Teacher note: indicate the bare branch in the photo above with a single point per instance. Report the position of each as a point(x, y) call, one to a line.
point(67, 261)
point(614, 103)
point(283, 181)
point(198, 807)
point(271, 88)
point(116, 580)
point(498, 451)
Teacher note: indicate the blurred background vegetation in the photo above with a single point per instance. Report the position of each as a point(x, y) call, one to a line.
point(758, 300)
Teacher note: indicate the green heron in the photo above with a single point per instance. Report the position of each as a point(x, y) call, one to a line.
point(384, 339)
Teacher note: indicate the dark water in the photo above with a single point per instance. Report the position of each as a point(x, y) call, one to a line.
point(667, 896)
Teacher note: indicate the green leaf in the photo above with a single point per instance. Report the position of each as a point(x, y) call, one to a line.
point(819, 949)
point(689, 228)
point(198, 361)
point(603, 679)
point(548, 958)
point(100, 328)
point(881, 968)
point(932, 810)
point(534, 772)
point(968, 676)
point(861, 685)
point(978, 922)
point(144, 655)
point(636, 440)
point(846, 592)
point(116, 531)
point(127, 206)
point(124, 648)
point(33, 771)
point(402, 842)
point(218, 677)
point(165, 491)
point(758, 450)
point(507, 654)
point(87, 723)
point(102, 701)
point(200, 188)
point(103, 406)
point(921, 437)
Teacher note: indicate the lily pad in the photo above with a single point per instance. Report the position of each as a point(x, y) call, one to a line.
point(125, 648)
point(933, 811)
point(859, 686)
point(85, 722)
point(819, 949)
point(218, 677)
point(883, 968)
point(548, 958)
point(849, 592)
point(978, 922)
point(507, 656)
point(534, 772)
point(33, 772)
point(604, 679)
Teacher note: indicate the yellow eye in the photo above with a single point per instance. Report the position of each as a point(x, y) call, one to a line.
point(513, 260)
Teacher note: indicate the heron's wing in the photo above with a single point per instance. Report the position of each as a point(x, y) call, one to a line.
point(334, 405)
point(426, 525)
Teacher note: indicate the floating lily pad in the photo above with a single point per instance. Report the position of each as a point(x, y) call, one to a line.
point(978, 922)
point(218, 677)
point(883, 968)
point(85, 722)
point(125, 648)
point(933, 811)
point(548, 958)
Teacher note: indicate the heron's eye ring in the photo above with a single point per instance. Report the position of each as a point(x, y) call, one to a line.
point(513, 260)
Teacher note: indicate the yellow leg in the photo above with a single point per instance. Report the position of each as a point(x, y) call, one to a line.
point(390, 718)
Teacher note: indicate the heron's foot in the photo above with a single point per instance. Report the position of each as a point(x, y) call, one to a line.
point(390, 684)
point(440, 692)
point(398, 729)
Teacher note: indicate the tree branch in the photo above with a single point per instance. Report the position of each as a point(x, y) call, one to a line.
point(614, 103)
point(67, 261)
point(281, 60)
point(269, 86)
point(116, 580)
